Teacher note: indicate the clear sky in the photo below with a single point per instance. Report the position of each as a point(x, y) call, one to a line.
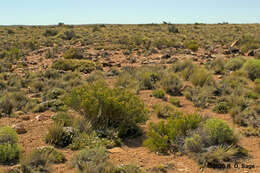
point(45, 12)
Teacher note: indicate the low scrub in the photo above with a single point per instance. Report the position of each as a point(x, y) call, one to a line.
point(106, 107)
point(84, 66)
point(207, 140)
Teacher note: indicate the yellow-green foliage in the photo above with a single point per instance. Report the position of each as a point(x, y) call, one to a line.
point(107, 107)
point(85, 66)
point(9, 149)
point(252, 68)
point(219, 132)
point(163, 137)
point(201, 77)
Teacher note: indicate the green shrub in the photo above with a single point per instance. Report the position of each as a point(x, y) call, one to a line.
point(165, 111)
point(60, 136)
point(68, 35)
point(186, 68)
point(175, 102)
point(172, 84)
point(85, 66)
point(9, 150)
point(252, 68)
point(40, 158)
point(64, 119)
point(8, 135)
point(201, 77)
point(50, 32)
point(73, 53)
point(165, 137)
point(106, 107)
point(92, 160)
point(217, 65)
point(257, 85)
point(201, 97)
point(6, 107)
point(221, 108)
point(219, 132)
point(158, 94)
point(194, 143)
point(234, 64)
point(148, 80)
point(9, 153)
point(192, 46)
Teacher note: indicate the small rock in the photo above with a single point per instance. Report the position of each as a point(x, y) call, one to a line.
point(19, 128)
point(250, 53)
point(41, 118)
point(25, 117)
point(116, 150)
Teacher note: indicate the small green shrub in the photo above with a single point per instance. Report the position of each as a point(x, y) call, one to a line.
point(192, 46)
point(73, 53)
point(64, 119)
point(92, 160)
point(9, 153)
point(50, 32)
point(186, 68)
point(175, 101)
point(165, 111)
point(234, 64)
point(220, 132)
point(85, 66)
point(194, 143)
point(8, 135)
point(68, 35)
point(172, 84)
point(158, 94)
point(252, 68)
point(257, 85)
point(217, 65)
point(164, 137)
point(221, 108)
point(201, 77)
point(9, 150)
point(173, 29)
point(59, 136)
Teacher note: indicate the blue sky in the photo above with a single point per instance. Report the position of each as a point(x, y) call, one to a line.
point(45, 12)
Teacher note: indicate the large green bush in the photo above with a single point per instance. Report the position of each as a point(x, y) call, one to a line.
point(106, 107)
point(201, 77)
point(234, 64)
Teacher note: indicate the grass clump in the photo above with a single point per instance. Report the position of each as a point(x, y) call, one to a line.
point(165, 111)
point(39, 160)
point(60, 136)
